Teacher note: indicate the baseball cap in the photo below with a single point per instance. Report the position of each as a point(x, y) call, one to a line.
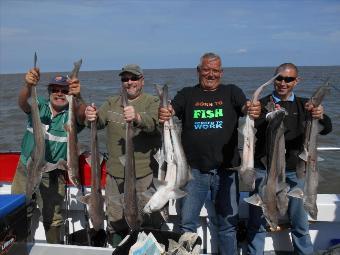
point(59, 80)
point(132, 68)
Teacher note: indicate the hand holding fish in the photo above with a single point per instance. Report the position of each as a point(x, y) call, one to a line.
point(74, 87)
point(253, 109)
point(130, 114)
point(32, 77)
point(317, 112)
point(164, 114)
point(91, 113)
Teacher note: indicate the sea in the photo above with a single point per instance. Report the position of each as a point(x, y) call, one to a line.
point(97, 86)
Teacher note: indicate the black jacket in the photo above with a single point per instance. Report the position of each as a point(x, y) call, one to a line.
point(294, 124)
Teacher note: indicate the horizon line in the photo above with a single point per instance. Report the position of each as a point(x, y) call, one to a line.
point(225, 67)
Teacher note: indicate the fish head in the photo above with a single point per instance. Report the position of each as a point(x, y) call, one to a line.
point(313, 212)
point(310, 206)
point(75, 70)
point(271, 218)
point(98, 220)
point(147, 208)
point(278, 114)
point(95, 203)
point(157, 201)
point(269, 206)
point(320, 93)
point(144, 197)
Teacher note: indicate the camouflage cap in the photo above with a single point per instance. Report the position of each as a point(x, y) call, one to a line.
point(132, 68)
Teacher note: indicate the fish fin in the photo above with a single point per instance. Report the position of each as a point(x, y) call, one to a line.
point(122, 159)
point(117, 199)
point(295, 192)
point(159, 157)
point(157, 183)
point(177, 193)
point(282, 187)
point(84, 199)
point(282, 200)
point(101, 158)
point(304, 155)
point(190, 176)
point(320, 159)
point(62, 164)
point(236, 168)
point(270, 105)
point(147, 194)
point(86, 153)
point(255, 199)
point(88, 160)
point(156, 156)
point(29, 161)
point(240, 128)
point(88, 157)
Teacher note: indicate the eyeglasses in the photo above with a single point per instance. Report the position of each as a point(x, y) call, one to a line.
point(286, 79)
point(55, 90)
point(132, 78)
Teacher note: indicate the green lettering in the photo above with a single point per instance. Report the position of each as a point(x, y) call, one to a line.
point(210, 114)
point(197, 114)
point(219, 112)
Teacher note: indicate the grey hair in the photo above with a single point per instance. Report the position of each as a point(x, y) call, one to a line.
point(284, 66)
point(209, 55)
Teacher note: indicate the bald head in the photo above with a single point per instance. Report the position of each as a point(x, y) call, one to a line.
point(285, 66)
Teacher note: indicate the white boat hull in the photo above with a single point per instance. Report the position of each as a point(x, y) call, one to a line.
point(322, 231)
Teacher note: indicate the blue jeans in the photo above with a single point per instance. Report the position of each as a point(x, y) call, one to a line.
point(296, 213)
point(224, 190)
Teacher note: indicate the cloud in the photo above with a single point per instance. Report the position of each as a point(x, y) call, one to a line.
point(242, 51)
point(238, 25)
point(8, 32)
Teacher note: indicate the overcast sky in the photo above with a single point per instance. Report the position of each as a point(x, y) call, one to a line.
point(167, 34)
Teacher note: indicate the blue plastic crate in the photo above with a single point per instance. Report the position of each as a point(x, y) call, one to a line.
point(8, 203)
point(334, 242)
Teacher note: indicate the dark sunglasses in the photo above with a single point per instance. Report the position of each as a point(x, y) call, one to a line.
point(132, 78)
point(55, 90)
point(286, 79)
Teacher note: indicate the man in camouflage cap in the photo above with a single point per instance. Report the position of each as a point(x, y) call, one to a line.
point(143, 112)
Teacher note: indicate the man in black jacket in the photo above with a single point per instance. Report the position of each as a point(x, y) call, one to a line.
point(298, 109)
